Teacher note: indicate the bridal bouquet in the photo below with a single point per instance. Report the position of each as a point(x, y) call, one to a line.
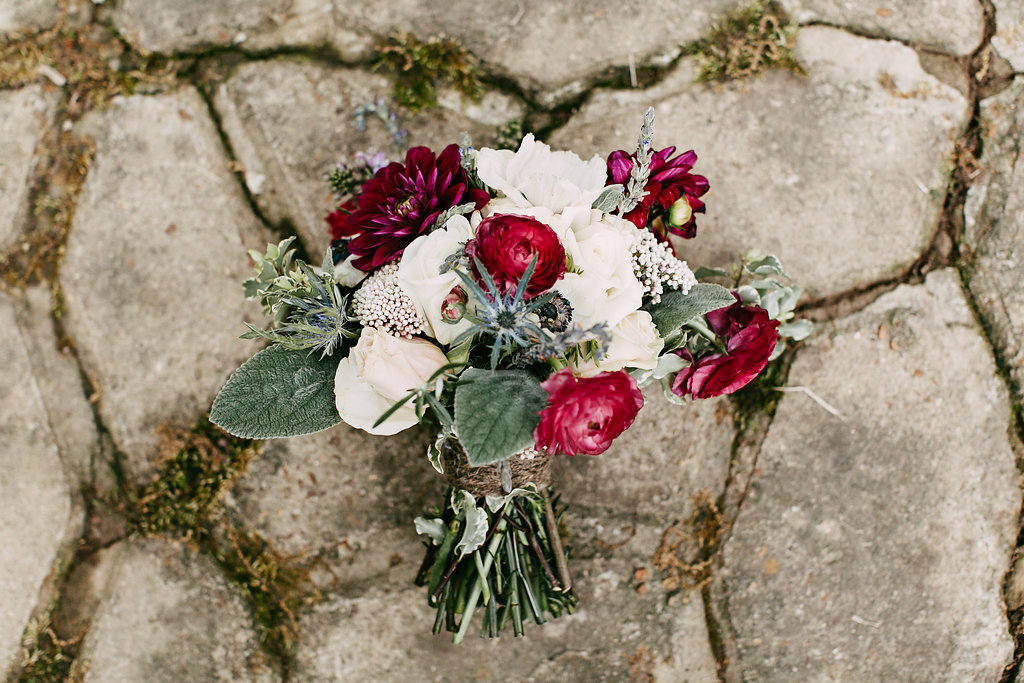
point(517, 301)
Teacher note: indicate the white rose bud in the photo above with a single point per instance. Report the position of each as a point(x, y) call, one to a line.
point(635, 344)
point(379, 371)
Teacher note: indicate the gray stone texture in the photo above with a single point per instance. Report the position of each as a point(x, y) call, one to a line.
point(1009, 36)
point(27, 15)
point(153, 267)
point(345, 498)
point(655, 468)
point(39, 517)
point(24, 113)
point(616, 634)
point(994, 217)
point(287, 149)
point(553, 49)
point(841, 174)
point(59, 378)
point(953, 26)
point(168, 616)
point(874, 546)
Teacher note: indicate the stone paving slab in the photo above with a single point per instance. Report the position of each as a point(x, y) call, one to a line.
point(1009, 36)
point(38, 519)
point(168, 616)
point(654, 469)
point(346, 497)
point(841, 174)
point(24, 113)
point(953, 26)
point(873, 547)
point(24, 15)
point(153, 269)
point(290, 122)
point(60, 385)
point(553, 49)
point(994, 218)
point(615, 635)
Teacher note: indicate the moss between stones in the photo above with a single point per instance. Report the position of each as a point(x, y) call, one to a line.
point(747, 41)
point(45, 658)
point(419, 65)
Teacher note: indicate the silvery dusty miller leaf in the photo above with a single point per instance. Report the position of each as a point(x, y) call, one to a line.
point(675, 308)
point(278, 393)
point(496, 413)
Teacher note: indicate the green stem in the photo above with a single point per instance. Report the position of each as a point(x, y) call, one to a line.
point(482, 573)
point(474, 593)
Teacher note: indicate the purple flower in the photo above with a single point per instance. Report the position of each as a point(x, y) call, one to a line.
point(669, 182)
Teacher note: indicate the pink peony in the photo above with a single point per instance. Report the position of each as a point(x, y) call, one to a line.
point(749, 336)
point(585, 414)
point(506, 244)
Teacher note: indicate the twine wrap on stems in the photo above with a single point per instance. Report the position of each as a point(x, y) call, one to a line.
point(486, 480)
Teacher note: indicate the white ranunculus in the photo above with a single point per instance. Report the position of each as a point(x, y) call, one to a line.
point(635, 344)
point(606, 290)
point(419, 276)
point(380, 370)
point(347, 275)
point(536, 176)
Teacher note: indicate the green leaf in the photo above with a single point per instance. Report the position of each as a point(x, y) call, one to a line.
point(432, 528)
point(474, 531)
point(797, 330)
point(496, 413)
point(675, 308)
point(608, 199)
point(769, 265)
point(703, 272)
point(278, 392)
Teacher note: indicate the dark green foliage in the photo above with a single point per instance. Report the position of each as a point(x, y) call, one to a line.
point(420, 65)
point(753, 38)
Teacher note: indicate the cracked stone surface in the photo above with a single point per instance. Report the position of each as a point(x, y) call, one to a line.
point(995, 227)
point(39, 518)
point(552, 48)
point(1009, 37)
point(287, 151)
point(855, 155)
point(23, 115)
point(169, 616)
point(873, 547)
point(953, 26)
point(345, 497)
point(153, 265)
point(616, 635)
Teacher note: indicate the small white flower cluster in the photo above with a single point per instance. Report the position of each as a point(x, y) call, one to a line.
point(382, 304)
point(530, 453)
point(657, 268)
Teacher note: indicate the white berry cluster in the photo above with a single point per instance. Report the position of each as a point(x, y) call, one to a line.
point(382, 304)
point(657, 268)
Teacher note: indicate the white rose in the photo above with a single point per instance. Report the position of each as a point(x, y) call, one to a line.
point(536, 176)
point(635, 344)
point(380, 370)
point(347, 275)
point(607, 290)
point(419, 276)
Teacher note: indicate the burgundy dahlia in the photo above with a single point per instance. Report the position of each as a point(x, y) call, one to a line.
point(506, 244)
point(669, 182)
point(401, 202)
point(749, 336)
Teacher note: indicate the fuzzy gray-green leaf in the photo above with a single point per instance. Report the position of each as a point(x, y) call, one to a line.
point(496, 413)
point(675, 308)
point(278, 392)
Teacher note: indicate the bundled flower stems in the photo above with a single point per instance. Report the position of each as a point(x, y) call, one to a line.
point(517, 301)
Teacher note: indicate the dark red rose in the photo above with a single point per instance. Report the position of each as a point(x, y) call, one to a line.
point(506, 244)
point(402, 201)
point(749, 337)
point(670, 180)
point(585, 414)
point(340, 226)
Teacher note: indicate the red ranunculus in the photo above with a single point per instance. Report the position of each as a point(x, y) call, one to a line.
point(506, 244)
point(670, 180)
point(402, 201)
point(585, 414)
point(749, 336)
